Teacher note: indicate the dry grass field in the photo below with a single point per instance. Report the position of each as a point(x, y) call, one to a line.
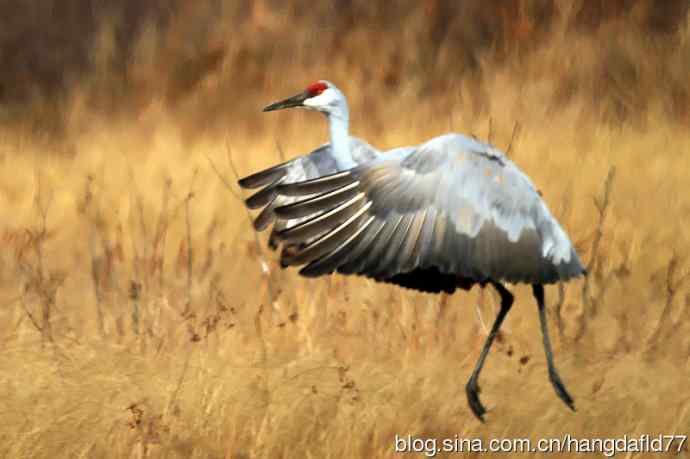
point(141, 317)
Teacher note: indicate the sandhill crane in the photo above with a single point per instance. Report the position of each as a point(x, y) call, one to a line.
point(450, 213)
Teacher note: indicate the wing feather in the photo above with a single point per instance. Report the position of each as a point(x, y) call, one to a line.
point(370, 262)
point(323, 222)
point(266, 216)
point(329, 262)
point(277, 182)
point(390, 262)
point(264, 196)
point(266, 176)
point(353, 261)
point(453, 204)
point(326, 242)
point(409, 257)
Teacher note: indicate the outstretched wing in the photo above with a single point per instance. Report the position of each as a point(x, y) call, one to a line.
point(452, 205)
point(318, 163)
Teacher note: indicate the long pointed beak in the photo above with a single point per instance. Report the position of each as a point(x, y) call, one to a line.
point(294, 101)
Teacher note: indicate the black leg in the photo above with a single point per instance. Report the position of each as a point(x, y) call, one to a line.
point(472, 389)
point(538, 291)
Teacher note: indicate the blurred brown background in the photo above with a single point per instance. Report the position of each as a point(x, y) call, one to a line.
point(125, 54)
point(140, 316)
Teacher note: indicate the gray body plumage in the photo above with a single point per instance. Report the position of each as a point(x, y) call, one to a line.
point(453, 204)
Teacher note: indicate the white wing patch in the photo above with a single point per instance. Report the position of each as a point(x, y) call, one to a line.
point(556, 246)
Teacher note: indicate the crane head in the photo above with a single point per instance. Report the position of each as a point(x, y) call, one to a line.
point(321, 96)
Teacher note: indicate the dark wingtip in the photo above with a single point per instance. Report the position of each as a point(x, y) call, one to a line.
point(264, 177)
point(264, 219)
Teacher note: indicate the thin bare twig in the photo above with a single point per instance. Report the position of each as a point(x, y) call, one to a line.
point(42, 209)
point(161, 233)
point(225, 181)
point(602, 206)
point(95, 260)
point(31, 317)
point(513, 137)
point(231, 162)
point(239, 198)
point(134, 296)
point(190, 262)
point(135, 203)
point(672, 285)
point(589, 302)
point(491, 133)
point(281, 153)
point(43, 285)
point(180, 380)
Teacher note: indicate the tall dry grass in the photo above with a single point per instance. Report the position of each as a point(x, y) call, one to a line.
point(140, 318)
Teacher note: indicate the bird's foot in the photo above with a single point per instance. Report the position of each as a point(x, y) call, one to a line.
point(560, 389)
point(472, 390)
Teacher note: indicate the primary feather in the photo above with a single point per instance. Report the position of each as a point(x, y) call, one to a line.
point(318, 163)
point(453, 204)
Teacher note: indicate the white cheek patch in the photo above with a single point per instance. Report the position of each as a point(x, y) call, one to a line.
point(320, 101)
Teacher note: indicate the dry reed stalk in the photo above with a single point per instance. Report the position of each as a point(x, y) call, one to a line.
point(594, 262)
point(210, 254)
point(281, 152)
point(140, 260)
point(513, 138)
point(31, 317)
point(589, 302)
point(108, 275)
point(86, 209)
point(441, 315)
point(138, 283)
point(38, 282)
point(672, 285)
point(118, 259)
point(565, 211)
point(134, 297)
point(160, 236)
point(176, 391)
point(490, 133)
point(190, 253)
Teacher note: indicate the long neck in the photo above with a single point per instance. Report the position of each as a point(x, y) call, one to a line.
point(340, 138)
